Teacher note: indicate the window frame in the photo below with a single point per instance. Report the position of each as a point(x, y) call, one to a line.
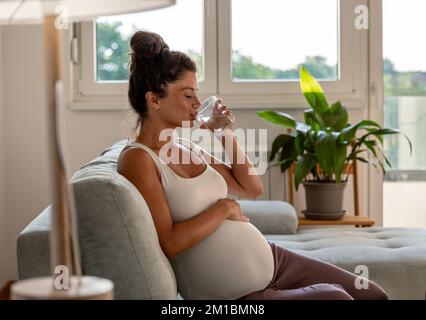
point(346, 83)
point(86, 73)
point(87, 93)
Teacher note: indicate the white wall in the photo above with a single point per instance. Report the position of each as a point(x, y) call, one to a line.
point(25, 161)
point(88, 133)
point(3, 237)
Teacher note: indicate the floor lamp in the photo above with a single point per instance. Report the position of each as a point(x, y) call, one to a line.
point(67, 281)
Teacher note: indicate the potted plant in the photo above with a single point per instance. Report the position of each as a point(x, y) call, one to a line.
point(323, 146)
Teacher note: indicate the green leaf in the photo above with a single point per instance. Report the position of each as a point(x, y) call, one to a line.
point(385, 131)
point(299, 144)
point(387, 161)
point(310, 140)
point(289, 151)
point(313, 92)
point(311, 119)
point(371, 145)
point(340, 161)
point(409, 143)
point(287, 156)
point(325, 150)
point(370, 162)
point(336, 117)
point(375, 132)
point(348, 133)
point(362, 160)
point(278, 118)
point(303, 167)
point(285, 164)
point(280, 141)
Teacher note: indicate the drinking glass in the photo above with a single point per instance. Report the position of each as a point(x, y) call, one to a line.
point(210, 114)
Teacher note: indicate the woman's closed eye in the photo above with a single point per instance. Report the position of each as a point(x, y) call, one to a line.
point(191, 97)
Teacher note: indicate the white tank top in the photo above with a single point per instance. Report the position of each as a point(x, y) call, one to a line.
point(234, 260)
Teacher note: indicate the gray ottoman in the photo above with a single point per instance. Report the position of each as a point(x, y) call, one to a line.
point(395, 257)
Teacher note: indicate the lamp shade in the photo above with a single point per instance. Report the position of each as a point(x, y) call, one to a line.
point(33, 11)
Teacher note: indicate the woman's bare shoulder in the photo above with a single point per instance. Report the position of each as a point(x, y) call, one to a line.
point(136, 163)
point(137, 166)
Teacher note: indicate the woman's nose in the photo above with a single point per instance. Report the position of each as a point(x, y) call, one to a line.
point(197, 102)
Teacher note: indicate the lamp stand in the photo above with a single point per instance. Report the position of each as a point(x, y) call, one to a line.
point(64, 251)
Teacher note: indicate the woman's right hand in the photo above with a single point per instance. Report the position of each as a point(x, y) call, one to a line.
point(232, 209)
point(221, 117)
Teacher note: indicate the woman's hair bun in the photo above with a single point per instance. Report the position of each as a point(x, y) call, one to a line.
point(146, 46)
point(152, 67)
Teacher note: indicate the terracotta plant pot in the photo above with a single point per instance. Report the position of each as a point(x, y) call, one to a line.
point(324, 201)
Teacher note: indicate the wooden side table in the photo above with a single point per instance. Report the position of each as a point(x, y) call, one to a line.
point(358, 221)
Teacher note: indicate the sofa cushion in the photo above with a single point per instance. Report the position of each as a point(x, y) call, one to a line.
point(271, 217)
point(33, 247)
point(395, 257)
point(117, 235)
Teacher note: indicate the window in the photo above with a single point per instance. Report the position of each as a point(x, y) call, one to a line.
point(246, 50)
point(308, 37)
point(105, 45)
point(405, 84)
point(339, 47)
point(113, 36)
point(404, 79)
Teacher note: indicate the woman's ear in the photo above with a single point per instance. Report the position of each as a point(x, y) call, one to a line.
point(152, 100)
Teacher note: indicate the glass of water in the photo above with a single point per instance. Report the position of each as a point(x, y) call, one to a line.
point(210, 114)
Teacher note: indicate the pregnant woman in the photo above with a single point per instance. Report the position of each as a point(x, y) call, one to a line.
point(215, 252)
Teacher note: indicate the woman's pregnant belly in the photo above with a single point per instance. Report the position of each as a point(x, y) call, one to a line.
point(232, 262)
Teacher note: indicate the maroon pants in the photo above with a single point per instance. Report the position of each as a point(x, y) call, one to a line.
point(298, 277)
